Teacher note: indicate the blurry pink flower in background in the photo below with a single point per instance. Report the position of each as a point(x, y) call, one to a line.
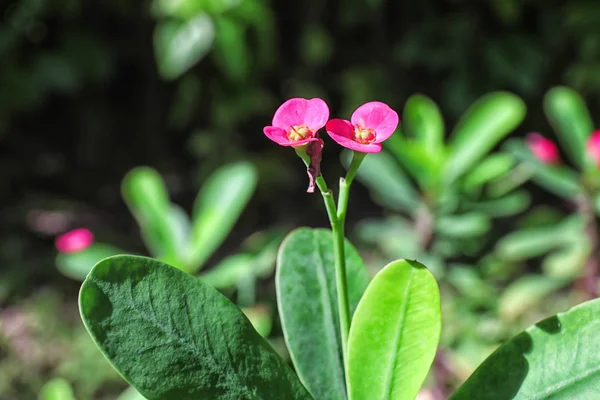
point(74, 241)
point(297, 121)
point(593, 147)
point(543, 149)
point(371, 124)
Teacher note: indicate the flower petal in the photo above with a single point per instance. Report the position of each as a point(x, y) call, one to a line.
point(317, 114)
point(279, 136)
point(342, 132)
point(543, 149)
point(313, 113)
point(74, 241)
point(377, 116)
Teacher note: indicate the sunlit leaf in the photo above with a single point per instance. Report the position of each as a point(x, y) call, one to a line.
point(56, 389)
point(307, 300)
point(394, 333)
point(423, 121)
point(173, 337)
point(558, 358)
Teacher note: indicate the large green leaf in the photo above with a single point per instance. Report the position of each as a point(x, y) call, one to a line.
point(307, 300)
point(423, 120)
point(146, 195)
point(394, 333)
point(486, 122)
point(558, 358)
point(389, 185)
point(570, 118)
point(180, 45)
point(173, 337)
point(218, 206)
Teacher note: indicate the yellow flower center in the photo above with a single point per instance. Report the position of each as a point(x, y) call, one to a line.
point(300, 132)
point(364, 135)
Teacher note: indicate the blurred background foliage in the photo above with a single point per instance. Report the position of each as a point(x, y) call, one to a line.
point(91, 89)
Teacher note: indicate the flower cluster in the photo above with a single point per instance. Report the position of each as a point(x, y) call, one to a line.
point(297, 122)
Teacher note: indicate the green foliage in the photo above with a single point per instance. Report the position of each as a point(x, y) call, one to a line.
point(306, 294)
point(567, 112)
point(174, 337)
point(394, 333)
point(56, 389)
point(556, 358)
point(78, 265)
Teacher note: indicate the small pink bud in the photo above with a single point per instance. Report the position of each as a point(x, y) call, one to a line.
point(74, 241)
point(297, 121)
point(543, 149)
point(593, 147)
point(371, 124)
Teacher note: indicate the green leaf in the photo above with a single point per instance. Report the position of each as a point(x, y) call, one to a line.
point(482, 127)
point(56, 389)
point(173, 337)
point(567, 112)
point(511, 204)
point(558, 358)
point(78, 265)
point(388, 184)
point(231, 49)
point(525, 293)
point(180, 45)
point(131, 394)
point(218, 206)
point(464, 225)
point(416, 160)
point(306, 293)
point(186, 9)
point(394, 333)
point(423, 120)
point(229, 271)
point(146, 195)
point(490, 168)
point(558, 179)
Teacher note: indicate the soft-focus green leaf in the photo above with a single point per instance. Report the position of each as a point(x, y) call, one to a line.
point(471, 224)
point(422, 120)
point(394, 333)
point(146, 195)
point(388, 184)
point(490, 168)
point(260, 318)
point(231, 49)
point(229, 271)
point(307, 300)
point(218, 206)
point(186, 9)
point(482, 127)
point(416, 160)
point(56, 389)
point(536, 241)
point(131, 394)
point(568, 262)
point(384, 233)
point(173, 337)
point(525, 294)
point(510, 204)
point(558, 179)
point(567, 112)
point(78, 265)
point(467, 281)
point(180, 227)
point(180, 45)
point(558, 358)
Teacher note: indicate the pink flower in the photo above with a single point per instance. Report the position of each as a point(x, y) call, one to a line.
point(74, 241)
point(593, 147)
point(371, 124)
point(543, 149)
point(297, 121)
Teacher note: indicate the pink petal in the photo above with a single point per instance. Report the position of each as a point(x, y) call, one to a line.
point(279, 136)
point(543, 149)
point(342, 132)
point(313, 113)
point(74, 241)
point(377, 116)
point(593, 147)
